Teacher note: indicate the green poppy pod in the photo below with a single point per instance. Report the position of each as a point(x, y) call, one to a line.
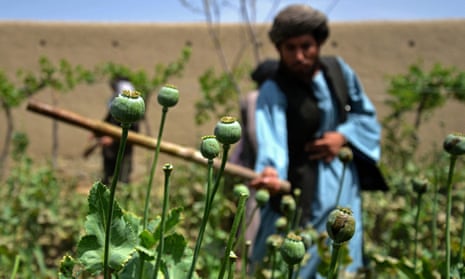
point(232, 256)
point(168, 96)
point(293, 249)
point(345, 154)
point(288, 204)
point(420, 184)
point(228, 130)
point(273, 241)
point(307, 238)
point(241, 190)
point(454, 144)
point(262, 196)
point(209, 147)
point(128, 107)
point(340, 225)
point(281, 224)
point(297, 193)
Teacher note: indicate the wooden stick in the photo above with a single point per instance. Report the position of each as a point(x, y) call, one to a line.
point(103, 128)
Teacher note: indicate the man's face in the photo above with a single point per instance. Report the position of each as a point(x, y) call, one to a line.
point(299, 54)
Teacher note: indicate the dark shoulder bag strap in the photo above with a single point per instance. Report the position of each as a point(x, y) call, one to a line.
point(371, 178)
point(338, 86)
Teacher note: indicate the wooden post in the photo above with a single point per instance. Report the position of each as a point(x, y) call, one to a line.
point(103, 128)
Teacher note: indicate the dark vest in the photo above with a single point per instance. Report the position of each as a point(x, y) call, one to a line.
point(303, 121)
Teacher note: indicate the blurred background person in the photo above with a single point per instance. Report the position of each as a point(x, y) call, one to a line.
point(245, 152)
point(109, 144)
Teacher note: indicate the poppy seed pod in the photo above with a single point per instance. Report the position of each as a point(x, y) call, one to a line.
point(128, 107)
point(340, 225)
point(297, 193)
point(241, 190)
point(345, 154)
point(420, 184)
point(288, 204)
point(262, 196)
point(454, 144)
point(308, 235)
point(228, 130)
point(168, 96)
point(209, 147)
point(168, 167)
point(292, 249)
point(273, 241)
point(281, 224)
point(232, 256)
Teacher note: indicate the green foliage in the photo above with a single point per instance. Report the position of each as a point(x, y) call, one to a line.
point(144, 83)
point(414, 97)
point(36, 201)
point(9, 95)
point(128, 241)
point(123, 237)
point(38, 222)
point(389, 221)
point(20, 144)
point(220, 95)
point(61, 77)
point(177, 258)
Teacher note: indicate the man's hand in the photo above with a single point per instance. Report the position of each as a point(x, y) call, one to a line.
point(268, 179)
point(327, 147)
point(105, 141)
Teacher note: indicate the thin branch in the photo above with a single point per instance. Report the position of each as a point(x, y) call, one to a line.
point(8, 136)
point(192, 8)
point(217, 43)
point(251, 29)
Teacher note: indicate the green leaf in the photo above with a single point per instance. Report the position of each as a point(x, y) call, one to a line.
point(175, 246)
point(145, 248)
point(173, 218)
point(177, 257)
point(132, 268)
point(66, 267)
point(123, 235)
point(147, 240)
point(133, 221)
point(176, 261)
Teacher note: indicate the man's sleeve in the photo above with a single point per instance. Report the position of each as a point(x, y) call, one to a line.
point(362, 129)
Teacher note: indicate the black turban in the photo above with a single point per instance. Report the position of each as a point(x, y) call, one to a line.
point(297, 20)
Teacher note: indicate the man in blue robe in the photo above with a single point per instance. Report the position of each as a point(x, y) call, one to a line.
point(300, 131)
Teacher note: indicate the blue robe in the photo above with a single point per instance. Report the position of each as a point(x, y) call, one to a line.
point(361, 129)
